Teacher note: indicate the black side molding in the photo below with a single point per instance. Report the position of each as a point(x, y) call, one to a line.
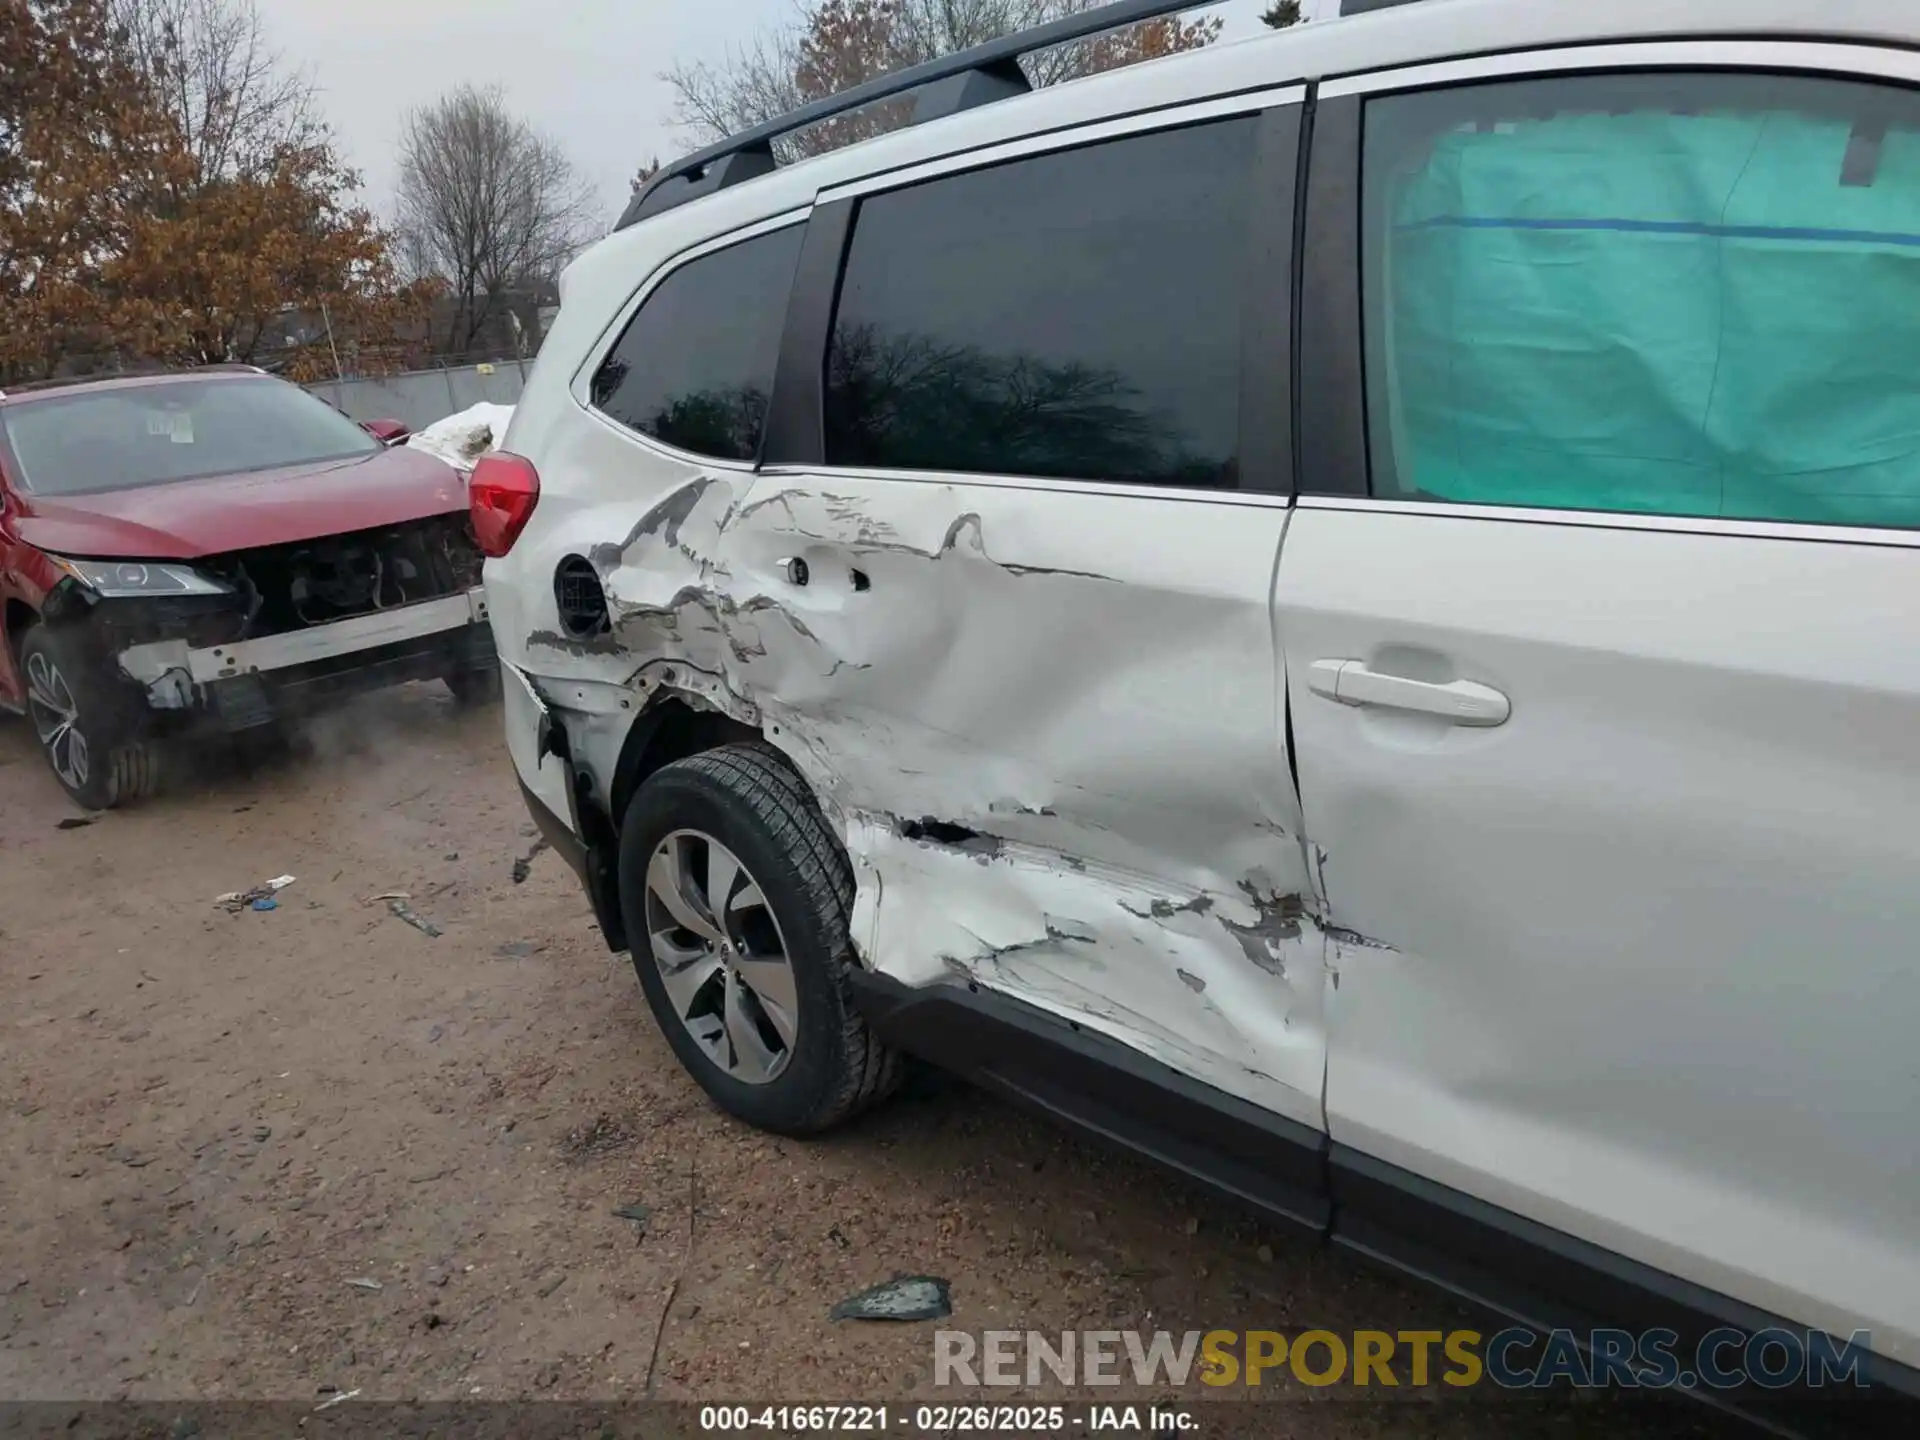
point(1545, 1279)
point(589, 845)
point(560, 839)
point(1528, 1273)
point(1107, 1090)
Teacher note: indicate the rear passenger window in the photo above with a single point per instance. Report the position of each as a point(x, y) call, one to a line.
point(695, 364)
point(1687, 295)
point(1076, 314)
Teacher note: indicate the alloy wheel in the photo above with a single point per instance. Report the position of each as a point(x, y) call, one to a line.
point(722, 958)
point(56, 719)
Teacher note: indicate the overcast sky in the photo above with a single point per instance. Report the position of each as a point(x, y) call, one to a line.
point(584, 71)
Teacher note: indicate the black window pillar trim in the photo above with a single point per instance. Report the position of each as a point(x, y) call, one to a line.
point(795, 432)
point(1332, 376)
point(1267, 336)
point(1296, 282)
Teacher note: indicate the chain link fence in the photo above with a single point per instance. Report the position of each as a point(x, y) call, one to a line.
point(417, 398)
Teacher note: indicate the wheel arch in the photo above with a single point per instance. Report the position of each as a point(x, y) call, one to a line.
point(16, 618)
point(668, 730)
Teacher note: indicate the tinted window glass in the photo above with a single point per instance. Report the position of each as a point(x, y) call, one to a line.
point(131, 436)
point(696, 362)
point(1684, 295)
point(1075, 314)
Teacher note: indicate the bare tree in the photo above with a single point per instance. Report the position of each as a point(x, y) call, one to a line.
point(487, 204)
point(757, 82)
point(838, 44)
point(240, 106)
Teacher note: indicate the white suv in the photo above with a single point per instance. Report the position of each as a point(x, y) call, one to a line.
point(1342, 609)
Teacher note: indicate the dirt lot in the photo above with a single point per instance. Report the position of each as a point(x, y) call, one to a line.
point(280, 1155)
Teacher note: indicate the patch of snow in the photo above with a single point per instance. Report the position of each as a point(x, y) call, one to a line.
point(462, 439)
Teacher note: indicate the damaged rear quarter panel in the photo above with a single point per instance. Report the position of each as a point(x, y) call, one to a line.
point(1045, 723)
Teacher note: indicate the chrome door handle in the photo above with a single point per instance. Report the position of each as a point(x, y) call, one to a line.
point(1463, 702)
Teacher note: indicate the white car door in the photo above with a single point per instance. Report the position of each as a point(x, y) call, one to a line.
point(1010, 599)
point(1602, 639)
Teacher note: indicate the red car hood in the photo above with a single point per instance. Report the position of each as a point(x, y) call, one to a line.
point(186, 519)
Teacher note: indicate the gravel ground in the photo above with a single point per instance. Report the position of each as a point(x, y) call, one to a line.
point(289, 1154)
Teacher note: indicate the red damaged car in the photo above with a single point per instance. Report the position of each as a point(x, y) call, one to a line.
point(216, 551)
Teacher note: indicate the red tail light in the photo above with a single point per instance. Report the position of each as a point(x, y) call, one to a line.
point(502, 493)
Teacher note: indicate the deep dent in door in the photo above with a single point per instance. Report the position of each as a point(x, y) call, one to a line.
point(970, 861)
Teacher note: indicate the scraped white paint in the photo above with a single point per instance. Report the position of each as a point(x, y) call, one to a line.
point(1100, 946)
point(462, 439)
point(1046, 726)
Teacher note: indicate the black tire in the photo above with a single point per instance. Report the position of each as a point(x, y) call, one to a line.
point(749, 799)
point(473, 689)
point(118, 763)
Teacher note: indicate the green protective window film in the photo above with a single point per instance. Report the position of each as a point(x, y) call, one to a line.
point(1684, 295)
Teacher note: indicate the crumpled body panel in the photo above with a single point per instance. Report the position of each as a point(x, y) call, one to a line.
point(1047, 723)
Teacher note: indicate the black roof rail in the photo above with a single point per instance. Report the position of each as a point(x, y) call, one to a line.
point(950, 84)
point(1361, 7)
